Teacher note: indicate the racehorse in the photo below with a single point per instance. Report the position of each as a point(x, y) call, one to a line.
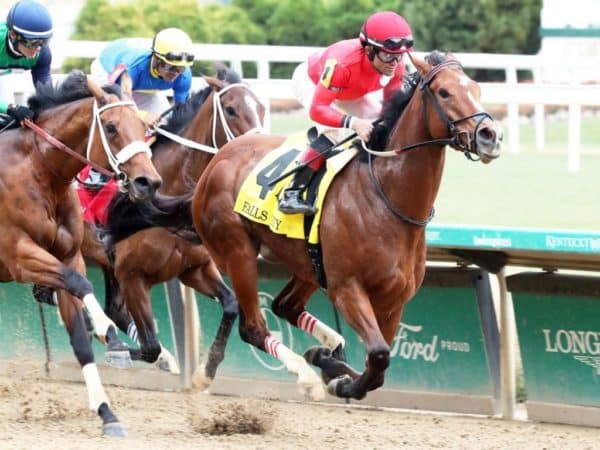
point(372, 229)
point(40, 217)
point(143, 258)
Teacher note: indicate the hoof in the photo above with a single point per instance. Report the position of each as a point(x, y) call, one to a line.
point(335, 385)
point(113, 429)
point(313, 392)
point(315, 353)
point(167, 363)
point(200, 380)
point(121, 359)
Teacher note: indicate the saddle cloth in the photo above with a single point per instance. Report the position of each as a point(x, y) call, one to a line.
point(257, 201)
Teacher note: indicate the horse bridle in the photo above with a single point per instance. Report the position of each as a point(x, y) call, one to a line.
point(455, 140)
point(122, 156)
point(217, 111)
point(469, 144)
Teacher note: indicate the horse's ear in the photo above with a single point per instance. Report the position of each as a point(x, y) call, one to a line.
point(126, 85)
point(421, 65)
point(97, 91)
point(214, 83)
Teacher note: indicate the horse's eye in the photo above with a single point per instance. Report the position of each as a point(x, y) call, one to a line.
point(230, 111)
point(444, 93)
point(111, 128)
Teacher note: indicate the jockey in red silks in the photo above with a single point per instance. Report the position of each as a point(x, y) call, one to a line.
point(339, 87)
point(95, 195)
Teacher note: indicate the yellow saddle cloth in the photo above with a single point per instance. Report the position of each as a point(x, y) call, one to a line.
point(257, 201)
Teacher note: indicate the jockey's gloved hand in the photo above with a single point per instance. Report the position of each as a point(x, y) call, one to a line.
point(410, 81)
point(19, 113)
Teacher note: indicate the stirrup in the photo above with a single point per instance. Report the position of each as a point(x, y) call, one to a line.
point(293, 204)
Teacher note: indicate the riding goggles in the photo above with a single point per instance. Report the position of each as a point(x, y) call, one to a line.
point(32, 43)
point(177, 57)
point(395, 44)
point(389, 58)
point(171, 68)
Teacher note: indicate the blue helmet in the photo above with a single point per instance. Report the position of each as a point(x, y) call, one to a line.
point(30, 19)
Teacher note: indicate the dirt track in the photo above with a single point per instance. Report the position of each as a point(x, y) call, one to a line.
point(39, 414)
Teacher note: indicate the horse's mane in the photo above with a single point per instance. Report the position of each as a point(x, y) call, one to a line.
point(126, 217)
point(395, 106)
point(73, 87)
point(183, 113)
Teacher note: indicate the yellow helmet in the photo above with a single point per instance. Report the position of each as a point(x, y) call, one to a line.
point(173, 46)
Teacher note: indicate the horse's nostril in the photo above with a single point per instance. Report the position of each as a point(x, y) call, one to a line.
point(487, 134)
point(144, 184)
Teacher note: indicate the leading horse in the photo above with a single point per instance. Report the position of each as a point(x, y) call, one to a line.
point(372, 229)
point(145, 257)
point(40, 216)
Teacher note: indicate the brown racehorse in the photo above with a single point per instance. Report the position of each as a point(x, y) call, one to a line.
point(40, 216)
point(143, 258)
point(372, 229)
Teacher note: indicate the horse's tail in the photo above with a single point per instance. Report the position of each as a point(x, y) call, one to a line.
point(126, 217)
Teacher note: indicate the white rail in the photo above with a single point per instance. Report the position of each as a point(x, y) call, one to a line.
point(511, 93)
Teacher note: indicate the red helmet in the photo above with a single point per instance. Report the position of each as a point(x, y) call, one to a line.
point(388, 31)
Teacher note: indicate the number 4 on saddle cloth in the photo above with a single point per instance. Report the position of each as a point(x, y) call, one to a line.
point(257, 200)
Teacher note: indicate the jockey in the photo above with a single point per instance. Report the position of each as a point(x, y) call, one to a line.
point(337, 85)
point(24, 45)
point(164, 66)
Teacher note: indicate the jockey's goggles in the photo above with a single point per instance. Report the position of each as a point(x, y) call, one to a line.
point(395, 45)
point(32, 43)
point(177, 57)
point(171, 68)
point(389, 58)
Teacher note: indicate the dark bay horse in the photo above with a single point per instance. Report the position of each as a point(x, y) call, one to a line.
point(146, 257)
point(40, 216)
point(372, 229)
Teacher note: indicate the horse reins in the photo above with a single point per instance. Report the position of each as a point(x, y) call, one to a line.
point(217, 111)
point(452, 141)
point(61, 146)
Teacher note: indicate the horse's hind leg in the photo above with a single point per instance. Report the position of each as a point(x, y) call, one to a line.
point(237, 255)
point(73, 318)
point(290, 304)
point(206, 279)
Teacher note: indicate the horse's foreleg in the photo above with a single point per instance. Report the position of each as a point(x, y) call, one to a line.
point(34, 264)
point(290, 305)
point(355, 307)
point(72, 316)
point(136, 293)
point(207, 280)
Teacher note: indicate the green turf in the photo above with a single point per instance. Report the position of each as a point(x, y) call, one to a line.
point(528, 189)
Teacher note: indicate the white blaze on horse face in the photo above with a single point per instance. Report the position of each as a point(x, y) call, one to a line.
point(253, 105)
point(464, 82)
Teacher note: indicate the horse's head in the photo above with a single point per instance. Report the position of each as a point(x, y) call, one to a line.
point(236, 109)
point(117, 140)
point(452, 108)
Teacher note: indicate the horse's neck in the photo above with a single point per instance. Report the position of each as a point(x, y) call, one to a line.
point(411, 180)
point(73, 131)
point(179, 166)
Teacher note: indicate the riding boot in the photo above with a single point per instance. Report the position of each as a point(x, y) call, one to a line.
point(312, 158)
point(292, 201)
